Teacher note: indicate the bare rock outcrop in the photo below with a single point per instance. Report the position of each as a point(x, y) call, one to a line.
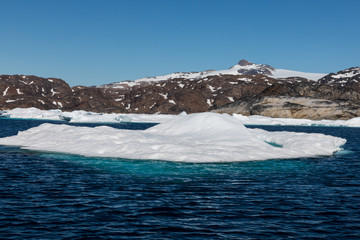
point(294, 107)
point(253, 91)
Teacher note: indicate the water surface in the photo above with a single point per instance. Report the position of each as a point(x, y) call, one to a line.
point(58, 196)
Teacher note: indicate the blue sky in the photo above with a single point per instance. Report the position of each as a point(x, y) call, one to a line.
point(92, 42)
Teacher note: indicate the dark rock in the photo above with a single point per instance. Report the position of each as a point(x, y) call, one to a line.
point(334, 96)
point(244, 62)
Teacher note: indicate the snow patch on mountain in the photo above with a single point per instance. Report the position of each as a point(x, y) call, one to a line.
point(242, 68)
point(348, 73)
point(283, 73)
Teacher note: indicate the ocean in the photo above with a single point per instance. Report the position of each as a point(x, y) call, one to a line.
point(58, 196)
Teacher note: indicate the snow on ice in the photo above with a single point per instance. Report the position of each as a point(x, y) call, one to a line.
point(83, 116)
point(201, 137)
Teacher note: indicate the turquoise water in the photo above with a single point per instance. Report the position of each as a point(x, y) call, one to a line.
point(58, 196)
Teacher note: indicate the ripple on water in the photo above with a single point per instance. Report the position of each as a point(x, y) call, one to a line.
point(52, 196)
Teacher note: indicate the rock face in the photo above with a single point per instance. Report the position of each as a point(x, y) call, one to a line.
point(31, 91)
point(294, 107)
point(253, 68)
point(177, 95)
point(345, 77)
point(245, 88)
point(329, 98)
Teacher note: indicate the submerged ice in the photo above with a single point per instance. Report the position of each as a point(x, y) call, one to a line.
point(201, 137)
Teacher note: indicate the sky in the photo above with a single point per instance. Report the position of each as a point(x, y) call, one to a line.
point(94, 42)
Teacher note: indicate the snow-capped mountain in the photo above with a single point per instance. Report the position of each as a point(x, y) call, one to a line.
point(242, 68)
point(245, 88)
point(347, 76)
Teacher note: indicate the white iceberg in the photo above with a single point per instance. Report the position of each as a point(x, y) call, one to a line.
point(32, 113)
point(91, 117)
point(79, 116)
point(84, 116)
point(261, 120)
point(201, 137)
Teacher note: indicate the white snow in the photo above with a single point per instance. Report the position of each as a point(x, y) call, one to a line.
point(172, 101)
point(212, 89)
point(131, 84)
point(245, 79)
point(53, 92)
point(231, 99)
point(208, 101)
point(277, 73)
point(34, 113)
point(83, 116)
point(165, 96)
point(10, 101)
point(5, 91)
point(344, 75)
point(261, 120)
point(18, 91)
point(282, 73)
point(349, 73)
point(153, 105)
point(201, 137)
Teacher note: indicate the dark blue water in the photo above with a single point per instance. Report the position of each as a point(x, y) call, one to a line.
point(54, 196)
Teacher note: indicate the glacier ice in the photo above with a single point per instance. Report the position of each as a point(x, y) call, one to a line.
point(200, 137)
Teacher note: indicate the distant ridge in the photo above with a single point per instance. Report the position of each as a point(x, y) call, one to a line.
point(246, 88)
point(243, 67)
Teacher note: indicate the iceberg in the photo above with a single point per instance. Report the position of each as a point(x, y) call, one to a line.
point(200, 137)
point(33, 113)
point(262, 120)
point(90, 117)
point(80, 116)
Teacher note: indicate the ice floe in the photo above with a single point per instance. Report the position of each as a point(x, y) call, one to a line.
point(201, 137)
point(261, 120)
point(83, 116)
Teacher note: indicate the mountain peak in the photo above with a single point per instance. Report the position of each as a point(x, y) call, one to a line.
point(244, 62)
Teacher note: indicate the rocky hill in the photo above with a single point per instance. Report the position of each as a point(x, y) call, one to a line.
point(334, 96)
point(245, 88)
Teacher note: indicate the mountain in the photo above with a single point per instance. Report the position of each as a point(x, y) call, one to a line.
point(347, 76)
point(245, 88)
point(242, 68)
point(24, 91)
point(334, 96)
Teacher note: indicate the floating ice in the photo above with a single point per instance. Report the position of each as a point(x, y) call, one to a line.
point(83, 116)
point(32, 113)
point(201, 137)
point(261, 120)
